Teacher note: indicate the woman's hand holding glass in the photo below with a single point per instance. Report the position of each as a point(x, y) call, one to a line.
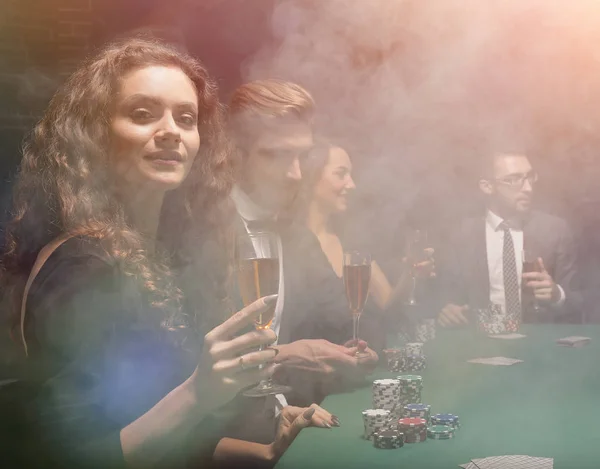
point(229, 363)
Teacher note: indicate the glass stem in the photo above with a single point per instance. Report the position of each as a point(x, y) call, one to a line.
point(264, 383)
point(355, 324)
point(413, 290)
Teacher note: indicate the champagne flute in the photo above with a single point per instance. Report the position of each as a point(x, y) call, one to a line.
point(357, 278)
point(258, 276)
point(531, 263)
point(416, 253)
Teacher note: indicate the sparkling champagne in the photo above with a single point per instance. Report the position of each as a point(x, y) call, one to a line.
point(258, 278)
point(356, 282)
point(530, 266)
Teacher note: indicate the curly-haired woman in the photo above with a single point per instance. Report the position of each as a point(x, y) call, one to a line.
point(121, 192)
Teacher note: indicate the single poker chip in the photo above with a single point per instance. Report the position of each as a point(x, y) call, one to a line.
point(440, 429)
point(410, 378)
point(417, 407)
point(413, 348)
point(445, 419)
point(440, 437)
point(412, 422)
point(386, 381)
point(440, 432)
point(388, 439)
point(375, 412)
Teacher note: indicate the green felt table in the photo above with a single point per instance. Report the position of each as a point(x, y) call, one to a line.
point(547, 406)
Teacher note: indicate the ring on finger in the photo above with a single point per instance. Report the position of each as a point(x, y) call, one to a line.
point(242, 364)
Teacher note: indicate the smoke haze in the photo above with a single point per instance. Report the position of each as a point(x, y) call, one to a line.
point(421, 89)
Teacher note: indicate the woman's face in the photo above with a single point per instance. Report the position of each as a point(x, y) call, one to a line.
point(336, 181)
point(154, 129)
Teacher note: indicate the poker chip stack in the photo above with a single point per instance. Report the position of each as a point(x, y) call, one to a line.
point(440, 432)
point(491, 320)
point(494, 326)
point(450, 420)
point(425, 330)
point(413, 348)
point(388, 439)
point(414, 429)
point(418, 410)
point(374, 420)
point(394, 359)
point(386, 393)
point(512, 323)
point(413, 363)
point(408, 358)
point(411, 387)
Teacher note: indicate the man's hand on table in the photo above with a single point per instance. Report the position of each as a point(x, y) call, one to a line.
point(453, 316)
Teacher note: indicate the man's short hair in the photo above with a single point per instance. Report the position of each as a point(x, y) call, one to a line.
point(256, 105)
point(488, 161)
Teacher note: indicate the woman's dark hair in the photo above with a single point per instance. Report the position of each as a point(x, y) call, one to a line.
point(312, 170)
point(63, 185)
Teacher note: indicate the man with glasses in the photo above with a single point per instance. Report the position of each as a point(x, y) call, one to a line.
point(486, 262)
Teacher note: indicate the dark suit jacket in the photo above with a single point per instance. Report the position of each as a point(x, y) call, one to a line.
point(466, 276)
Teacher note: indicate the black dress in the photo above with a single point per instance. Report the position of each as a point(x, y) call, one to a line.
point(98, 360)
point(324, 311)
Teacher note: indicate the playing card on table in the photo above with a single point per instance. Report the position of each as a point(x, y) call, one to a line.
point(573, 341)
point(496, 361)
point(507, 336)
point(510, 462)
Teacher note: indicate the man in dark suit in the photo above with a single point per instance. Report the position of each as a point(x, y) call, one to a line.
point(270, 124)
point(486, 262)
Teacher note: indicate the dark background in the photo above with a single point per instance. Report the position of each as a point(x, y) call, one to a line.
point(41, 41)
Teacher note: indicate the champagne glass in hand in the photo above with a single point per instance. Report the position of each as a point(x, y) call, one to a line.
point(531, 263)
point(416, 253)
point(357, 279)
point(258, 276)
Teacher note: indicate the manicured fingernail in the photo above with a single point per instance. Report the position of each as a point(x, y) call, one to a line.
point(326, 425)
point(276, 350)
point(335, 421)
point(308, 413)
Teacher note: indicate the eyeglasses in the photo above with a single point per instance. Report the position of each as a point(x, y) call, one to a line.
point(517, 181)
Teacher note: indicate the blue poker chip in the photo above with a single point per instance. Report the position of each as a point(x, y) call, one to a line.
point(445, 419)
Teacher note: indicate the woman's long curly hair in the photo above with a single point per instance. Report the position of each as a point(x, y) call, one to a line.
point(63, 185)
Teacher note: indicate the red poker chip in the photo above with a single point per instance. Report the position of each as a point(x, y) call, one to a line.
point(412, 422)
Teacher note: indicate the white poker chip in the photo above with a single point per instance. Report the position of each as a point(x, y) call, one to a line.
point(375, 412)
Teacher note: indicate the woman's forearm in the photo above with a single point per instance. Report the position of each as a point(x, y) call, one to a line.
point(383, 293)
point(163, 427)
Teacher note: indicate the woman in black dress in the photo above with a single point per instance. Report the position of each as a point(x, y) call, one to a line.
point(327, 182)
point(118, 372)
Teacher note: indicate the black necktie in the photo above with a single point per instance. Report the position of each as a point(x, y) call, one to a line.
point(511, 281)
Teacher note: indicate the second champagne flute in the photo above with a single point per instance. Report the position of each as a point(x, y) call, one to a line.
point(258, 276)
point(357, 279)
